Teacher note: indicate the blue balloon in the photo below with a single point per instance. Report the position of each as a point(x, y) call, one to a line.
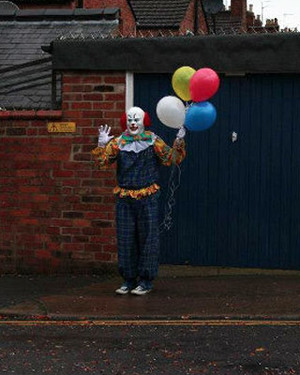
point(200, 116)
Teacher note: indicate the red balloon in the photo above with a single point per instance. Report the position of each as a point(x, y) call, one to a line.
point(204, 84)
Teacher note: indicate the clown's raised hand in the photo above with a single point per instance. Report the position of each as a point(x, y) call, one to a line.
point(104, 136)
point(179, 137)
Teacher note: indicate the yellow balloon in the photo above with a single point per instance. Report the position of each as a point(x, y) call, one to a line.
point(181, 82)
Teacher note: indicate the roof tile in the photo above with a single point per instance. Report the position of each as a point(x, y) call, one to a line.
point(158, 13)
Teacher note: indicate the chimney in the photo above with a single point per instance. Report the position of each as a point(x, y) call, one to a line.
point(239, 8)
point(251, 8)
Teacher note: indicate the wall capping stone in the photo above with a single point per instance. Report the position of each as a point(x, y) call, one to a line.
point(31, 114)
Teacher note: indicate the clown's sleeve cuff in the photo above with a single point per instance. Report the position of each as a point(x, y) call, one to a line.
point(168, 155)
point(104, 156)
point(163, 151)
point(178, 150)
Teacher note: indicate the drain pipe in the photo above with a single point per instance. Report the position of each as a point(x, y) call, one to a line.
point(196, 17)
point(204, 14)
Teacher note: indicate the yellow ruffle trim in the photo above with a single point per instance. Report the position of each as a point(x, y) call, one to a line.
point(136, 194)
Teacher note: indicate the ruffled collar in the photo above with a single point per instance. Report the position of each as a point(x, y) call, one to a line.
point(137, 143)
point(127, 138)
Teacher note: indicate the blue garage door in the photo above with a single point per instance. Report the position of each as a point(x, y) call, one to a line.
point(239, 202)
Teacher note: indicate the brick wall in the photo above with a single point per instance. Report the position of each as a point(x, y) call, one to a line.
point(57, 209)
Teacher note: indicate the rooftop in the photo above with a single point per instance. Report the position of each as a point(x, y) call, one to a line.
point(25, 69)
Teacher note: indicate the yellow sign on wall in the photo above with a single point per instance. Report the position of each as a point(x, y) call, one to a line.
point(61, 127)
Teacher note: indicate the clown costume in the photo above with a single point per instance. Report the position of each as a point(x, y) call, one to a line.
point(138, 154)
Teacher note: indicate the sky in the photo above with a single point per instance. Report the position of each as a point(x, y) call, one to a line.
point(286, 11)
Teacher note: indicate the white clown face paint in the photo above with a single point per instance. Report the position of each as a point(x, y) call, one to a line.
point(135, 121)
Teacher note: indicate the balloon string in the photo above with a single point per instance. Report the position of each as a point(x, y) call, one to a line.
point(172, 187)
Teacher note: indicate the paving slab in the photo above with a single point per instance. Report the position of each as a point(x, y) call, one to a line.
point(223, 296)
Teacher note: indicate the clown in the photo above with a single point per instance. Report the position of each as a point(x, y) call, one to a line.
point(138, 154)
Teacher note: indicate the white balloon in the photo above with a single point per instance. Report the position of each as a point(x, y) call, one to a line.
point(171, 112)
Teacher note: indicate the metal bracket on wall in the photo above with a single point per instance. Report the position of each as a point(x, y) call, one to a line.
point(234, 137)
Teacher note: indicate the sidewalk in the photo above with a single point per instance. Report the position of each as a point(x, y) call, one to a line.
point(181, 292)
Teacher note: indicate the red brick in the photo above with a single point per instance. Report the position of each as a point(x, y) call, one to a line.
point(103, 256)
point(54, 246)
point(71, 79)
point(71, 230)
point(72, 165)
point(73, 247)
point(114, 97)
point(83, 174)
point(120, 106)
point(81, 105)
point(71, 199)
point(109, 248)
point(98, 239)
point(91, 231)
point(29, 221)
point(83, 122)
point(109, 231)
point(43, 254)
point(103, 105)
point(93, 247)
point(96, 215)
point(113, 114)
point(83, 157)
point(60, 173)
point(20, 213)
point(82, 223)
point(70, 98)
point(73, 114)
point(89, 131)
point(69, 182)
point(92, 114)
point(92, 79)
point(115, 79)
point(66, 106)
point(93, 97)
point(40, 198)
point(26, 172)
point(61, 223)
point(55, 262)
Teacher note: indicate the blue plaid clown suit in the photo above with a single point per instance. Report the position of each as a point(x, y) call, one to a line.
point(138, 158)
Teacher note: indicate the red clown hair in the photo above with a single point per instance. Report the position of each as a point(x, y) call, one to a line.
point(123, 120)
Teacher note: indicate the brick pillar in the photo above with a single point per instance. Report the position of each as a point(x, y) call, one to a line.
point(93, 99)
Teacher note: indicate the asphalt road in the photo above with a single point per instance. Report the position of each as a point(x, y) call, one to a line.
point(140, 350)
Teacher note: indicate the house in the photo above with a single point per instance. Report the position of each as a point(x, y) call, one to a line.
point(168, 17)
